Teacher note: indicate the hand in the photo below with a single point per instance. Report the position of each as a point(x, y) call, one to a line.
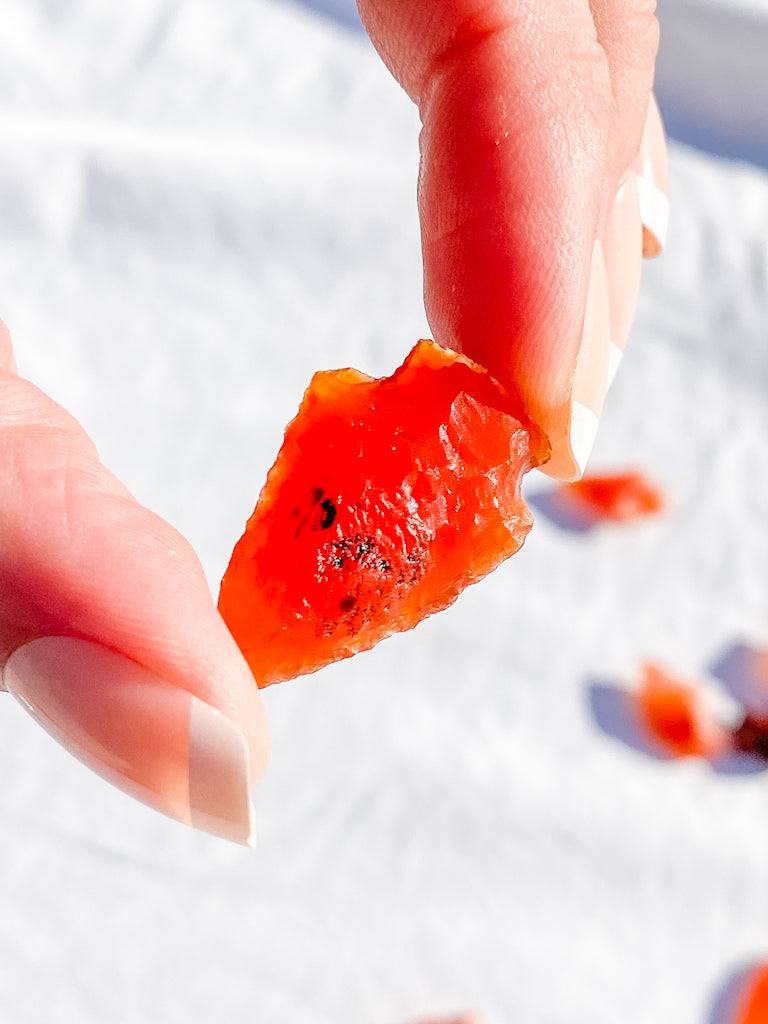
point(108, 633)
point(533, 186)
point(533, 115)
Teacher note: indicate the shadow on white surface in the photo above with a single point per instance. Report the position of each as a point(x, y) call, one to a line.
point(726, 1001)
point(612, 711)
point(738, 670)
point(560, 513)
point(344, 12)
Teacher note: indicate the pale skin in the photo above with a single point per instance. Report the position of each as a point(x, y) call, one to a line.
point(533, 114)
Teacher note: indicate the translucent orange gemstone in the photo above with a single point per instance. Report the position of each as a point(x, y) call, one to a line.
point(387, 498)
point(616, 496)
point(675, 717)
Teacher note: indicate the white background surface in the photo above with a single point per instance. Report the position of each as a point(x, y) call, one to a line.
point(200, 205)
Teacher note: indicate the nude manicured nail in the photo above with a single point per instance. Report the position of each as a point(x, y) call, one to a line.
point(590, 380)
point(572, 448)
point(622, 247)
point(652, 171)
point(156, 742)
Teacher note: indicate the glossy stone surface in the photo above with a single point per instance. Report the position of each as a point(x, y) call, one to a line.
point(387, 498)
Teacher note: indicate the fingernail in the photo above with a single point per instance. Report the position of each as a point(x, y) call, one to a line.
point(153, 740)
point(622, 248)
point(584, 426)
point(573, 439)
point(652, 171)
point(590, 380)
point(615, 355)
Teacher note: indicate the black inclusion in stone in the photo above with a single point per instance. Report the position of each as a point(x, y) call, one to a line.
point(329, 513)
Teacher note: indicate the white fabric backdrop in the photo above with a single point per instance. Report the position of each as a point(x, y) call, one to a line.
point(200, 204)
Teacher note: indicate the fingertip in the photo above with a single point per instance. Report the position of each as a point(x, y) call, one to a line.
point(249, 712)
point(220, 782)
point(142, 733)
point(571, 451)
point(611, 302)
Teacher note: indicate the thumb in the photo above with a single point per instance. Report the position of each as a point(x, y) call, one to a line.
point(531, 113)
point(108, 633)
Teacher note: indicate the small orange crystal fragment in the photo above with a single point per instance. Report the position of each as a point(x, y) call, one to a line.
point(386, 499)
point(616, 496)
point(674, 716)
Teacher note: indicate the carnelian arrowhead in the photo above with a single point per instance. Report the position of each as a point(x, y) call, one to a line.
point(387, 498)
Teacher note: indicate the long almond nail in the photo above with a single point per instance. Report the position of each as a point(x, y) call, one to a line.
point(622, 247)
point(571, 449)
point(151, 739)
point(590, 380)
point(652, 171)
